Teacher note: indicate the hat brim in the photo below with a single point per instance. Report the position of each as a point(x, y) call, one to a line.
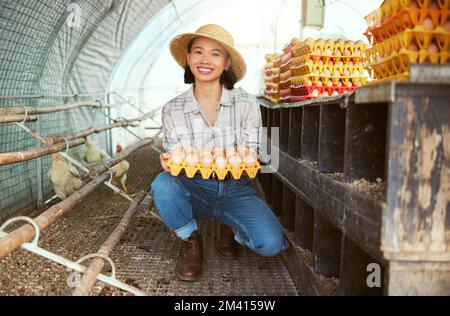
point(179, 44)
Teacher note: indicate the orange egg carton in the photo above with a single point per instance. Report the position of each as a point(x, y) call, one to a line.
point(397, 66)
point(401, 43)
point(390, 8)
point(408, 19)
point(221, 173)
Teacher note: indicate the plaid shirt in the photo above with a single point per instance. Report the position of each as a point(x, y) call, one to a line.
point(238, 122)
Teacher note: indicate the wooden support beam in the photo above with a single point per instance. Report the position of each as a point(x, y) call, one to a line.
point(326, 247)
point(360, 274)
point(304, 224)
point(8, 119)
point(33, 110)
point(310, 133)
point(365, 142)
point(332, 138)
point(95, 268)
point(284, 129)
point(288, 215)
point(16, 157)
point(295, 132)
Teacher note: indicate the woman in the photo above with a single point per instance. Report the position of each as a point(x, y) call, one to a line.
point(212, 114)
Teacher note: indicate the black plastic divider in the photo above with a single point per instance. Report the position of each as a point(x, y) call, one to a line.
point(326, 247)
point(277, 196)
point(360, 274)
point(332, 138)
point(284, 129)
point(365, 141)
point(295, 132)
point(269, 122)
point(304, 224)
point(288, 215)
point(310, 133)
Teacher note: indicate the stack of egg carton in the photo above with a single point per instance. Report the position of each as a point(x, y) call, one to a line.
point(405, 32)
point(272, 77)
point(285, 70)
point(321, 68)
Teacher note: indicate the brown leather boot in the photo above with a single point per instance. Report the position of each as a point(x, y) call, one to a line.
point(190, 267)
point(227, 245)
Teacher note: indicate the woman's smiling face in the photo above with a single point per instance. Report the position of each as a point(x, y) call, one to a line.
point(207, 60)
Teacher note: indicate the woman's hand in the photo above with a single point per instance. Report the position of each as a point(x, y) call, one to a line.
point(163, 158)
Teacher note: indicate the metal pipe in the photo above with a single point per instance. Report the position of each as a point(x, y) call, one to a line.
point(26, 232)
point(77, 267)
point(89, 277)
point(15, 157)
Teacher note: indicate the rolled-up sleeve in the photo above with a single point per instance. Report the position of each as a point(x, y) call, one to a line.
point(170, 136)
point(251, 127)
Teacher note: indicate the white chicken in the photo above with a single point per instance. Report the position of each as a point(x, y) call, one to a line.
point(94, 154)
point(120, 170)
point(64, 177)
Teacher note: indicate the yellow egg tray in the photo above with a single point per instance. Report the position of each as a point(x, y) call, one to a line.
point(206, 173)
point(315, 59)
point(390, 7)
point(408, 19)
point(312, 48)
point(299, 80)
point(309, 69)
point(397, 66)
point(399, 44)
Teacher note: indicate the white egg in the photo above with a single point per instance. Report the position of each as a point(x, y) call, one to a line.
point(177, 158)
point(191, 159)
point(230, 151)
point(241, 148)
point(221, 162)
point(206, 160)
point(235, 161)
point(249, 158)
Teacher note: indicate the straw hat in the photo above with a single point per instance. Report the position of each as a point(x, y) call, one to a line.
point(179, 47)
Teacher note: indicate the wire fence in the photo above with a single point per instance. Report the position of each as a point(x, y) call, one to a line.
point(46, 50)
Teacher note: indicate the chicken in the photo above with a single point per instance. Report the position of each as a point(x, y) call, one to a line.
point(64, 177)
point(120, 170)
point(94, 154)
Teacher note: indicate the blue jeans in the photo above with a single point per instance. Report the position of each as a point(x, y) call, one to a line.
point(182, 201)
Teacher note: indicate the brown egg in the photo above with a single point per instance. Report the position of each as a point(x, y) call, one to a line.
point(428, 24)
point(329, 83)
point(347, 53)
point(340, 63)
point(433, 49)
point(413, 5)
point(346, 73)
point(338, 53)
point(325, 94)
point(339, 84)
point(328, 52)
point(317, 72)
point(336, 73)
point(308, 82)
point(413, 47)
point(447, 26)
point(327, 72)
point(318, 52)
point(433, 5)
point(320, 62)
point(319, 83)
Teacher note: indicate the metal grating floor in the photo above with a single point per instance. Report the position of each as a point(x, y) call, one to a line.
point(145, 257)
